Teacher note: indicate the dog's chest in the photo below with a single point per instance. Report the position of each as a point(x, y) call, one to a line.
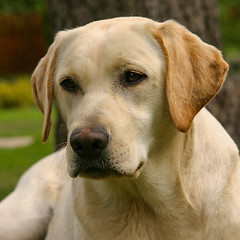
point(132, 221)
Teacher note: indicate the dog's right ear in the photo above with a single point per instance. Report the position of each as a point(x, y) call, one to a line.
point(42, 83)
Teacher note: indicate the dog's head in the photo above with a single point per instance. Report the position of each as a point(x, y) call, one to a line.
point(121, 85)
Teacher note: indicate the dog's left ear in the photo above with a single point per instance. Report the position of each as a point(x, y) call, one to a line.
point(42, 84)
point(195, 72)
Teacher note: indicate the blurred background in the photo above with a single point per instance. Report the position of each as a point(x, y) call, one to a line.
point(27, 28)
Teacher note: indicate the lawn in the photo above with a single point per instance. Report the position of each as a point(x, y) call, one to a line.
point(13, 162)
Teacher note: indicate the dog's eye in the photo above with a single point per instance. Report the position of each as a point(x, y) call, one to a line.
point(68, 84)
point(133, 77)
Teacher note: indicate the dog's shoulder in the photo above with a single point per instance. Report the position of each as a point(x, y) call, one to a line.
point(27, 211)
point(49, 172)
point(210, 130)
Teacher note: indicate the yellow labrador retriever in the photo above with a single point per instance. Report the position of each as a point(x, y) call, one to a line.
point(146, 160)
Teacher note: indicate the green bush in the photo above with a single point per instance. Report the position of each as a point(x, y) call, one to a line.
point(15, 93)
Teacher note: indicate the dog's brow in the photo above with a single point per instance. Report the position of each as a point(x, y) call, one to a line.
point(120, 61)
point(124, 62)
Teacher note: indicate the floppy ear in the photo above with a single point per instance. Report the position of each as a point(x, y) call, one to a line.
point(42, 85)
point(195, 72)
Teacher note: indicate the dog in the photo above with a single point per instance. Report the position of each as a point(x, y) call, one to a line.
point(144, 158)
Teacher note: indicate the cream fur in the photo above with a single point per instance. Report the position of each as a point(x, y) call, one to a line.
point(188, 187)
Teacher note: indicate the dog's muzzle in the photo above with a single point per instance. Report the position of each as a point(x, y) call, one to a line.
point(90, 144)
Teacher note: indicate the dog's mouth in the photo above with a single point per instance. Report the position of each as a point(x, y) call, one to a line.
point(96, 172)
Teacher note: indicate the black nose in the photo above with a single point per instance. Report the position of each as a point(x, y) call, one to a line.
point(89, 143)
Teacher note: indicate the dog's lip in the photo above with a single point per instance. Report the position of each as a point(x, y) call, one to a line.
point(138, 170)
point(95, 172)
point(139, 166)
point(98, 173)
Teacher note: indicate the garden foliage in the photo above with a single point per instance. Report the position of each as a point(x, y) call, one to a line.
point(16, 93)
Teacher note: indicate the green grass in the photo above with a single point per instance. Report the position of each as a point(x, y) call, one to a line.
point(13, 162)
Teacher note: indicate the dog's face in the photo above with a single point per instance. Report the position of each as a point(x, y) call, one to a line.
point(114, 91)
point(121, 85)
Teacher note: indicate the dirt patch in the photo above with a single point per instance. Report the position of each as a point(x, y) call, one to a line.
point(15, 142)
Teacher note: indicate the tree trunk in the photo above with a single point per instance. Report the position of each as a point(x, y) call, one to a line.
point(199, 16)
